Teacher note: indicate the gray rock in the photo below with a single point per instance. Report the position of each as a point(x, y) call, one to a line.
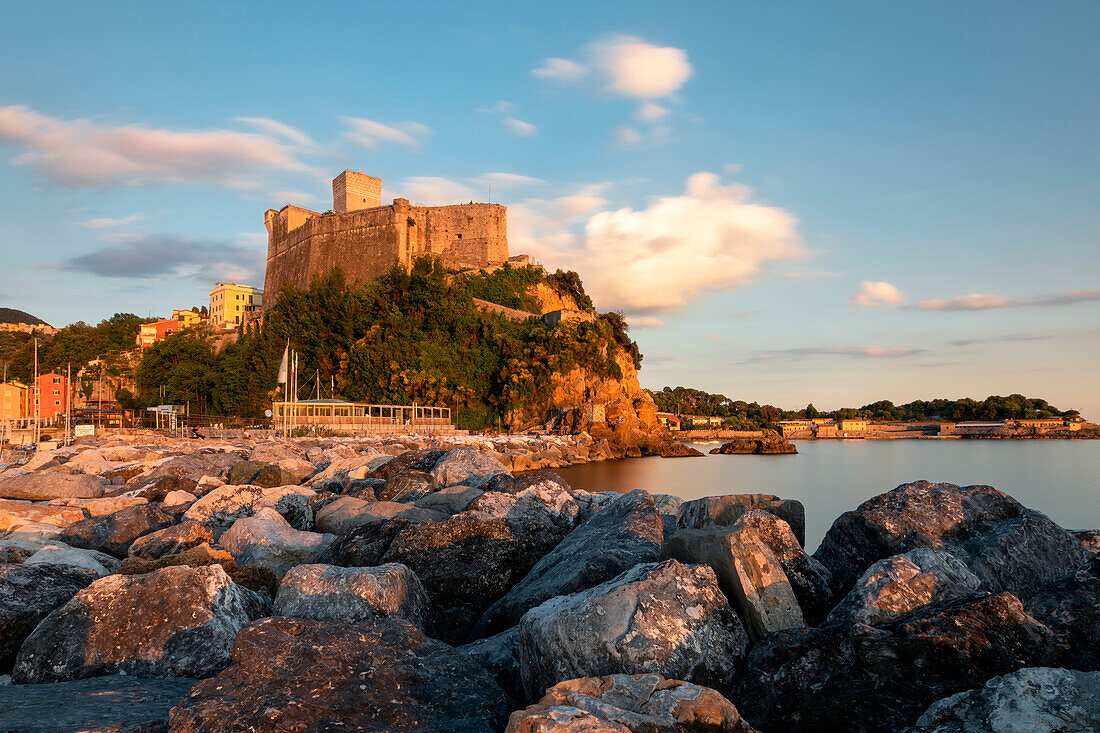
point(98, 562)
point(500, 656)
point(49, 485)
point(628, 531)
point(115, 704)
point(170, 540)
point(407, 486)
point(667, 618)
point(269, 544)
point(620, 703)
point(725, 510)
point(225, 504)
point(183, 473)
point(862, 678)
point(897, 585)
point(308, 675)
point(27, 594)
point(449, 501)
point(347, 513)
point(353, 594)
point(747, 571)
point(1033, 699)
point(467, 466)
point(174, 622)
point(114, 533)
point(1070, 607)
point(267, 475)
point(1009, 547)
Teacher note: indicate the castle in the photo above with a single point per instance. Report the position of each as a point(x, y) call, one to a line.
point(365, 238)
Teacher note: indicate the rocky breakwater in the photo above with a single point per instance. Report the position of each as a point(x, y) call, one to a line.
point(432, 589)
point(769, 445)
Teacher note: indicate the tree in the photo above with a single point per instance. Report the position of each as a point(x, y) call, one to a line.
point(811, 411)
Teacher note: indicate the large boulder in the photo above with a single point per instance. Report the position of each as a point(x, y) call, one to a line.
point(727, 509)
point(61, 554)
point(1008, 546)
point(272, 544)
point(667, 618)
point(897, 585)
point(407, 486)
point(50, 485)
point(364, 546)
point(225, 504)
point(183, 473)
point(16, 513)
point(416, 460)
point(347, 513)
point(353, 594)
point(499, 655)
point(381, 675)
point(115, 533)
point(1034, 699)
point(541, 512)
point(621, 703)
point(450, 500)
point(465, 563)
point(1070, 607)
point(102, 506)
point(626, 532)
point(748, 572)
point(266, 475)
point(253, 577)
point(170, 540)
point(114, 704)
point(862, 678)
point(27, 594)
point(467, 466)
point(175, 622)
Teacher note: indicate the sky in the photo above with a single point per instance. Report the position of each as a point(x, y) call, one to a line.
point(792, 202)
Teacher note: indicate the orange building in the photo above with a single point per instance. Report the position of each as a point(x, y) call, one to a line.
point(151, 333)
point(13, 401)
point(52, 397)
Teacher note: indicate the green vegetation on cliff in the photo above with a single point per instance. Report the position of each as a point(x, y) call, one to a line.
point(409, 337)
point(76, 344)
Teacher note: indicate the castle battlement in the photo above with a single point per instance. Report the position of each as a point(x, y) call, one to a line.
point(366, 238)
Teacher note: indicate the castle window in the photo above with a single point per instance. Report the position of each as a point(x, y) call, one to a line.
point(458, 236)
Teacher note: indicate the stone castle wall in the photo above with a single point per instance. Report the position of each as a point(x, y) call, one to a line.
point(366, 243)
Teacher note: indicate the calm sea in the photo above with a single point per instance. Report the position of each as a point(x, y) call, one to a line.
point(1060, 478)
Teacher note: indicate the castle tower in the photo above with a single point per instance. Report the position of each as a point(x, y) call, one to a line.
point(353, 191)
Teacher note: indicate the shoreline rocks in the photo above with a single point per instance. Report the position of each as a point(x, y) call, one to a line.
point(769, 445)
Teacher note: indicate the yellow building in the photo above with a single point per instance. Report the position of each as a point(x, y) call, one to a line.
point(186, 319)
point(13, 401)
point(232, 304)
point(853, 426)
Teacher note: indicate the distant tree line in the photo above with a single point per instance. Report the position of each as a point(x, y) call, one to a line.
point(742, 415)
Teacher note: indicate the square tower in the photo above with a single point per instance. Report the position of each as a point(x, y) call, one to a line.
point(353, 191)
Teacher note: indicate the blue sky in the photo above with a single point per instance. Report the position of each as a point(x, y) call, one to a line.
point(793, 202)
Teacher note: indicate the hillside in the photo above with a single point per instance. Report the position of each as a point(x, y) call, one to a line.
point(417, 337)
point(13, 315)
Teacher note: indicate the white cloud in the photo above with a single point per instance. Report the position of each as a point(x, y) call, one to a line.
point(659, 258)
point(81, 152)
point(106, 223)
point(627, 136)
point(873, 294)
point(650, 112)
point(519, 128)
point(978, 301)
point(370, 133)
point(646, 322)
point(625, 65)
point(507, 180)
point(279, 129)
point(560, 69)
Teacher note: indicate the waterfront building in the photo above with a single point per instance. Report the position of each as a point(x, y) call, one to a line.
point(232, 304)
point(51, 396)
point(13, 401)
